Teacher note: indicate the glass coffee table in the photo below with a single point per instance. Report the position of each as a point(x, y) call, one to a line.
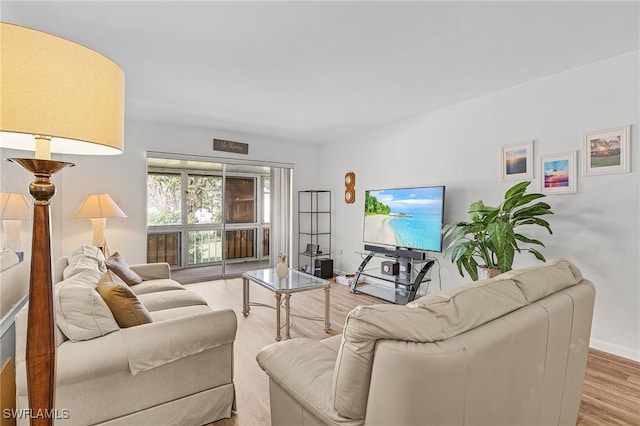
point(295, 281)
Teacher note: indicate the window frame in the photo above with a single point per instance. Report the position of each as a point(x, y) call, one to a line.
point(258, 225)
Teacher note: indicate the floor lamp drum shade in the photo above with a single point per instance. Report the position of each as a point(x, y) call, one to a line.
point(59, 89)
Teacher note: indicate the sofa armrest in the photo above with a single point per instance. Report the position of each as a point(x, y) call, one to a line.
point(303, 368)
point(152, 271)
point(158, 343)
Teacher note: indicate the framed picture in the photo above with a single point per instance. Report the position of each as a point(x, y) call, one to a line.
point(517, 163)
point(606, 151)
point(558, 173)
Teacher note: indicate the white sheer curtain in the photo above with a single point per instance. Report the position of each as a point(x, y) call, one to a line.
point(281, 204)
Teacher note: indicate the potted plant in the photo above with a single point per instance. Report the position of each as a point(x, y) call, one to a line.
point(490, 239)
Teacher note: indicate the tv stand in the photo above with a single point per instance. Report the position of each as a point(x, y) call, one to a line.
point(405, 281)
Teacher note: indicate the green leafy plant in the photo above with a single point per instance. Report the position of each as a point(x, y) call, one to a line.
point(491, 235)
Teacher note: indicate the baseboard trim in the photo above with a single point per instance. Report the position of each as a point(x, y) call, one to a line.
point(612, 348)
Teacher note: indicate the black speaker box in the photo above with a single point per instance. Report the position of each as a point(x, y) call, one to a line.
point(389, 268)
point(323, 268)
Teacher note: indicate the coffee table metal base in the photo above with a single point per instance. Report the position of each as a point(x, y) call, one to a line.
point(246, 307)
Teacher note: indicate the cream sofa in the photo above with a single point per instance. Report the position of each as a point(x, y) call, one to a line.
point(511, 350)
point(176, 370)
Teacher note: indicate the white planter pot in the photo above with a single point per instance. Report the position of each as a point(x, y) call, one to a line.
point(486, 273)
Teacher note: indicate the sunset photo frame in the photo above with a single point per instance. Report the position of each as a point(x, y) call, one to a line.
point(517, 161)
point(606, 151)
point(558, 173)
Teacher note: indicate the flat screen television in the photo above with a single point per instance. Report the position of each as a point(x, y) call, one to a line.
point(405, 217)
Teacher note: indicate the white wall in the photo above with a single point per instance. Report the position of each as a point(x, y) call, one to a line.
point(460, 147)
point(124, 178)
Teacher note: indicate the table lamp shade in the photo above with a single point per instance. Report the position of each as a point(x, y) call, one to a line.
point(98, 206)
point(13, 206)
point(59, 89)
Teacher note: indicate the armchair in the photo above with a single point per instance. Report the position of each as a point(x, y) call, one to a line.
point(504, 351)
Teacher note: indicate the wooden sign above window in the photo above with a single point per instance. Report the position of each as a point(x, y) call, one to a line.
point(230, 146)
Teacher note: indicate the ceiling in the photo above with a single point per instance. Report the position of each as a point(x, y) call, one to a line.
point(315, 72)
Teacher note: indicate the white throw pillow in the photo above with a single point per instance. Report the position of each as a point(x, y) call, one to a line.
point(85, 258)
point(81, 313)
point(92, 252)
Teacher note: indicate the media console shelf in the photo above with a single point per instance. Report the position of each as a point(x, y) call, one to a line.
point(405, 269)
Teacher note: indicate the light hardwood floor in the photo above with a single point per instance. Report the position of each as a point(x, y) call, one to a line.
point(611, 394)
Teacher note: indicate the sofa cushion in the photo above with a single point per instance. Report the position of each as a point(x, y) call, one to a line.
point(123, 303)
point(542, 280)
point(81, 314)
point(82, 259)
point(117, 264)
point(170, 299)
point(462, 308)
point(182, 311)
point(154, 286)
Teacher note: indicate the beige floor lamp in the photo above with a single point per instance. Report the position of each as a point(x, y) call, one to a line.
point(61, 97)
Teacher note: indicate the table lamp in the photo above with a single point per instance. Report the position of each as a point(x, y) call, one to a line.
point(14, 208)
point(56, 96)
point(99, 207)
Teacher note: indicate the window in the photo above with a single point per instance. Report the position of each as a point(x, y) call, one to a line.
point(204, 199)
point(205, 246)
point(163, 199)
point(240, 200)
point(205, 214)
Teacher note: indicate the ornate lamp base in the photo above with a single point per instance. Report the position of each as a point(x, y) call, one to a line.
point(41, 337)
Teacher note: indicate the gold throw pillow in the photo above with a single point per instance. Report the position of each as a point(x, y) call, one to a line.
point(123, 303)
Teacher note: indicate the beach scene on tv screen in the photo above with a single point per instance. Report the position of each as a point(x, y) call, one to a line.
point(410, 217)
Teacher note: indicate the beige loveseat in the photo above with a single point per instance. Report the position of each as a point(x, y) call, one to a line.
point(507, 351)
point(176, 370)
